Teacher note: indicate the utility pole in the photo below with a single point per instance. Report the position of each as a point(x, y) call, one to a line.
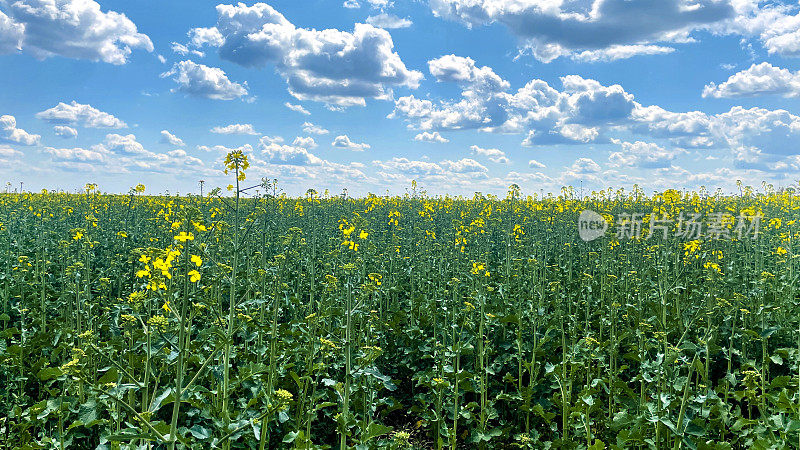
point(20, 187)
point(202, 182)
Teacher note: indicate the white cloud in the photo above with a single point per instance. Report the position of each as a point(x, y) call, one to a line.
point(10, 133)
point(169, 138)
point(183, 50)
point(69, 28)
point(332, 66)
point(616, 52)
point(126, 145)
point(759, 79)
point(293, 155)
point(427, 136)
point(534, 164)
point(495, 155)
point(547, 115)
point(310, 128)
point(11, 34)
point(344, 141)
point(235, 128)
point(551, 29)
point(76, 113)
point(203, 81)
point(8, 152)
point(199, 37)
point(351, 4)
point(464, 165)
point(65, 131)
point(297, 108)
point(388, 21)
point(305, 142)
point(643, 154)
point(77, 154)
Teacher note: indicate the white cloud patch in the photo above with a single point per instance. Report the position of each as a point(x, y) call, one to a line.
point(126, 145)
point(464, 165)
point(551, 29)
point(534, 164)
point(344, 142)
point(169, 138)
point(643, 154)
point(616, 52)
point(388, 21)
point(427, 136)
point(65, 131)
point(235, 128)
point(203, 81)
point(546, 115)
point(759, 79)
point(69, 28)
point(11, 134)
point(310, 128)
point(297, 108)
point(305, 142)
point(337, 67)
point(183, 50)
point(493, 154)
point(293, 155)
point(76, 113)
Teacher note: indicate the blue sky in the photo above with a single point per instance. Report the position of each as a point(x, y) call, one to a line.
point(460, 95)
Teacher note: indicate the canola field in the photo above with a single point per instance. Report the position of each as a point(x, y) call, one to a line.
point(247, 319)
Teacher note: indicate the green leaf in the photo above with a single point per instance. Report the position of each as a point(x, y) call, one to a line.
point(598, 445)
point(375, 429)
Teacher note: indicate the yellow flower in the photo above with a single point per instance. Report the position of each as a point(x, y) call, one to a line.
point(197, 260)
point(363, 234)
point(780, 251)
point(78, 236)
point(166, 307)
point(194, 276)
point(184, 236)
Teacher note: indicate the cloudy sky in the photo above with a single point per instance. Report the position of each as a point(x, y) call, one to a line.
point(460, 95)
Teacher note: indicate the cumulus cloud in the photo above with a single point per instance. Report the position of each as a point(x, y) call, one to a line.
point(235, 128)
point(534, 164)
point(551, 29)
point(427, 136)
point(336, 67)
point(10, 133)
point(169, 138)
point(126, 145)
point(344, 142)
point(297, 108)
point(305, 142)
point(464, 165)
point(495, 155)
point(643, 154)
point(65, 131)
point(759, 79)
point(310, 128)
point(545, 114)
point(203, 81)
point(77, 154)
point(183, 50)
point(293, 155)
point(69, 28)
point(76, 113)
point(388, 21)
